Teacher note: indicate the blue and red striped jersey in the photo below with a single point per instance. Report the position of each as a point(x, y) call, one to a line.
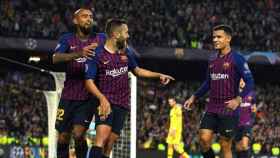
point(74, 88)
point(222, 82)
point(110, 73)
point(248, 101)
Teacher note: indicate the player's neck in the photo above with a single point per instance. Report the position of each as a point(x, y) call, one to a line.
point(224, 51)
point(173, 106)
point(81, 35)
point(110, 46)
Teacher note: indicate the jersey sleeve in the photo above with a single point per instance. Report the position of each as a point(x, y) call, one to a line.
point(132, 64)
point(91, 68)
point(101, 38)
point(245, 73)
point(91, 65)
point(62, 45)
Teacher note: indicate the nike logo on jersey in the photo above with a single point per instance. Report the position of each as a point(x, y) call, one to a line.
point(106, 62)
point(72, 47)
point(81, 60)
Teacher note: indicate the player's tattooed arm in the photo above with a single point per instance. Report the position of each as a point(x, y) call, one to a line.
point(87, 52)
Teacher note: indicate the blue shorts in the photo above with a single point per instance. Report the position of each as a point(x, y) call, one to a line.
point(115, 119)
point(224, 125)
point(71, 112)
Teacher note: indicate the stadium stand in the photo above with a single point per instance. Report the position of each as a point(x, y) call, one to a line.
point(178, 23)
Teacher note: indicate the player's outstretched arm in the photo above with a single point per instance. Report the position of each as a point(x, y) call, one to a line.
point(105, 107)
point(164, 79)
point(86, 52)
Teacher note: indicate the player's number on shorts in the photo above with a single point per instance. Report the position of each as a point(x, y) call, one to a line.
point(59, 114)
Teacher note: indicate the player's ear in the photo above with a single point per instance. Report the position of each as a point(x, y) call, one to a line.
point(75, 21)
point(228, 38)
point(116, 34)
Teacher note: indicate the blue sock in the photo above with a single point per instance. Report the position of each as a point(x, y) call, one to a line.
point(95, 152)
point(62, 150)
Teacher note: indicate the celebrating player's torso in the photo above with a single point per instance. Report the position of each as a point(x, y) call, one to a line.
point(110, 71)
point(74, 88)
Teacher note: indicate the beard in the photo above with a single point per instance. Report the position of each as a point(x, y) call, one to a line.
point(85, 30)
point(121, 44)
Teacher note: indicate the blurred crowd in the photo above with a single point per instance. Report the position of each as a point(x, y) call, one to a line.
point(23, 110)
point(266, 129)
point(153, 115)
point(164, 23)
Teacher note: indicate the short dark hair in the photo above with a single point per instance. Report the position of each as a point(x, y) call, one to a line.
point(172, 96)
point(112, 24)
point(226, 28)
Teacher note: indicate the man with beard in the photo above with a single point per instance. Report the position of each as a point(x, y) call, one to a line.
point(174, 138)
point(107, 79)
point(75, 109)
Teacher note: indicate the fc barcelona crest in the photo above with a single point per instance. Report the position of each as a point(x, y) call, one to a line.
point(123, 57)
point(226, 65)
point(250, 98)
